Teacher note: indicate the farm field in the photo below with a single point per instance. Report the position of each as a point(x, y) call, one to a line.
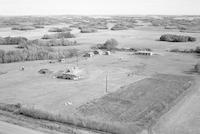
point(140, 104)
point(136, 92)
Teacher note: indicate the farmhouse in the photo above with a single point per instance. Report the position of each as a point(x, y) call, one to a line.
point(143, 53)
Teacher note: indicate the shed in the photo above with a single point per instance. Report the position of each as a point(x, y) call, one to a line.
point(148, 53)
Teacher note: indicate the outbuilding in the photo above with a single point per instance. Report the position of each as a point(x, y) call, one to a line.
point(148, 53)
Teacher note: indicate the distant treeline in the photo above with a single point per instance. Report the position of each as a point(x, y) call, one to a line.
point(59, 35)
point(12, 40)
point(177, 38)
point(196, 50)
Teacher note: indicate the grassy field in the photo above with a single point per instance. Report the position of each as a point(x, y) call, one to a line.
point(140, 103)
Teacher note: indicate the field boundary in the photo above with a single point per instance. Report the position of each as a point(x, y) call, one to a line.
point(181, 99)
point(44, 125)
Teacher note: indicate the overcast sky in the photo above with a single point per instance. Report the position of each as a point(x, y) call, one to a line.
point(99, 7)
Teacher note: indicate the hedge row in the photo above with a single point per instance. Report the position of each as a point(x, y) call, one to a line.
point(32, 52)
point(12, 40)
point(58, 35)
point(177, 38)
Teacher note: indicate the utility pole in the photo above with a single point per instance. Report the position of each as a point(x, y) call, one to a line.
point(150, 130)
point(106, 82)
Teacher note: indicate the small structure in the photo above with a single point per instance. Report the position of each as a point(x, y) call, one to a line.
point(68, 103)
point(70, 74)
point(89, 54)
point(62, 60)
point(44, 71)
point(148, 53)
point(72, 70)
point(107, 53)
point(22, 68)
point(52, 61)
point(98, 52)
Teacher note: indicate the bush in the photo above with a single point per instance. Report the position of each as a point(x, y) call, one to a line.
point(88, 30)
point(177, 38)
point(14, 56)
point(56, 29)
point(51, 42)
point(23, 28)
point(197, 67)
point(44, 71)
point(10, 107)
point(109, 44)
point(12, 40)
point(58, 36)
point(100, 27)
point(60, 42)
point(175, 50)
point(119, 27)
point(2, 54)
point(38, 26)
point(197, 50)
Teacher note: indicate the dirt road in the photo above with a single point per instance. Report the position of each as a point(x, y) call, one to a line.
point(183, 118)
point(6, 128)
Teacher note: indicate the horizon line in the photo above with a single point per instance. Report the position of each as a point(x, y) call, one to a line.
point(21, 15)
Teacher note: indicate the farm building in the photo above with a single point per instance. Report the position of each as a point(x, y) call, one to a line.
point(143, 53)
point(98, 52)
point(107, 53)
point(90, 54)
